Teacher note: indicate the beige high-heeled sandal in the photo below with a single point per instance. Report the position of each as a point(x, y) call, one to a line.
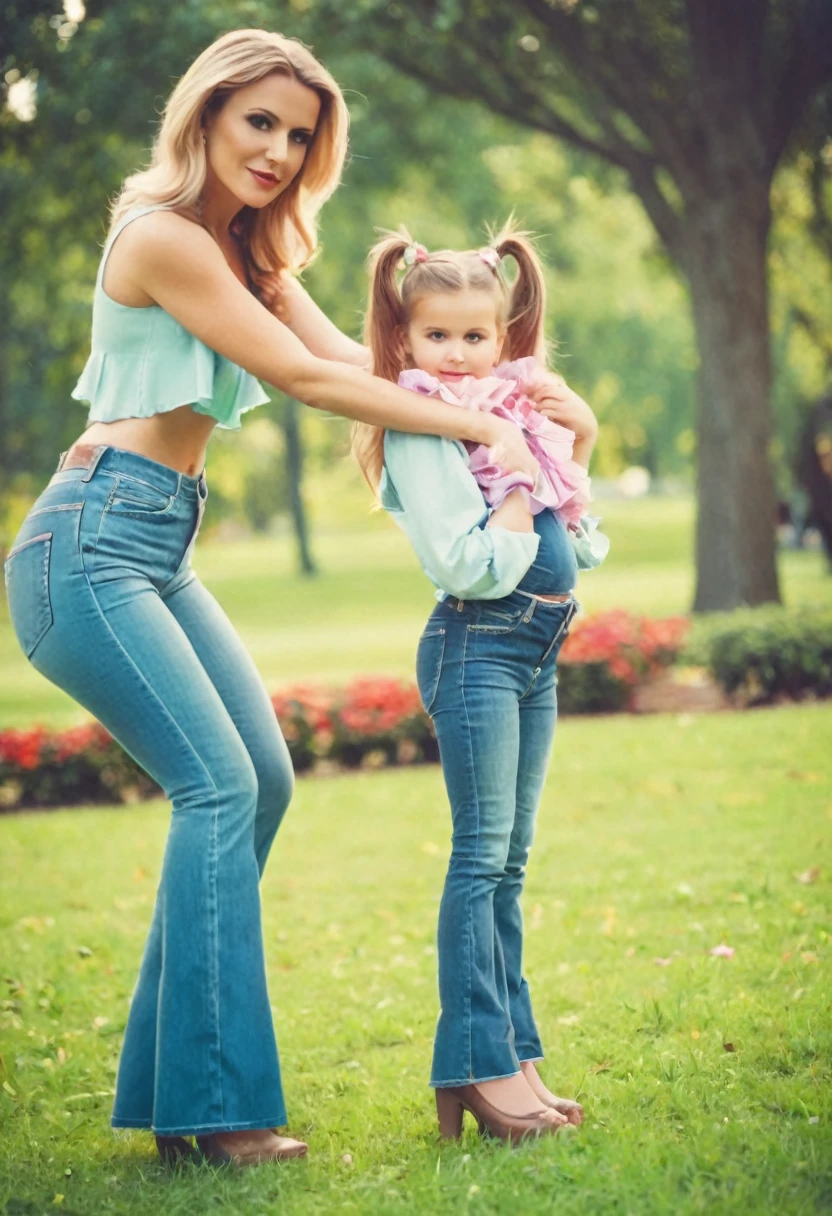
point(452, 1102)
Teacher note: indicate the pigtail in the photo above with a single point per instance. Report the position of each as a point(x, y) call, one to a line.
point(525, 334)
point(385, 313)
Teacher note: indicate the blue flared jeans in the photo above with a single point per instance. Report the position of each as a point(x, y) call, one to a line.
point(105, 604)
point(486, 674)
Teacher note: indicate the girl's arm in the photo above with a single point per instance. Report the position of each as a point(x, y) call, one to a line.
point(293, 305)
point(433, 495)
point(181, 268)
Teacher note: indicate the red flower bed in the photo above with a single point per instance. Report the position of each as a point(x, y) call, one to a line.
point(606, 657)
point(374, 720)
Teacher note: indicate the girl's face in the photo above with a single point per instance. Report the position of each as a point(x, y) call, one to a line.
point(454, 334)
point(256, 144)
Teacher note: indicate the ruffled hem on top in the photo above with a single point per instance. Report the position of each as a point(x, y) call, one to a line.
point(133, 386)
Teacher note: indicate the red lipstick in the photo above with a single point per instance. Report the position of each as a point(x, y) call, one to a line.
point(268, 180)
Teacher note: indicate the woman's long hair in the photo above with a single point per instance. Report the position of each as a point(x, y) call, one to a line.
point(520, 305)
point(282, 235)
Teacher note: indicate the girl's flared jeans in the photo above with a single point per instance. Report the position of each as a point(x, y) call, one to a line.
point(486, 673)
point(105, 604)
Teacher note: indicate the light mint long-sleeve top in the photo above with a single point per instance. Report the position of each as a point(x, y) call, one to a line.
point(429, 490)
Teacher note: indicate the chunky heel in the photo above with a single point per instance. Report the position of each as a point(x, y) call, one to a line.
point(449, 1110)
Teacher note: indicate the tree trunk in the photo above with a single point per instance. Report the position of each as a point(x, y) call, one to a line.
point(723, 251)
point(294, 473)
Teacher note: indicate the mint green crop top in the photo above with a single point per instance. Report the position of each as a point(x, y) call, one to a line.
point(143, 362)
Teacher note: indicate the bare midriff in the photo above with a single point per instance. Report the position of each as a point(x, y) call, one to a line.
point(178, 438)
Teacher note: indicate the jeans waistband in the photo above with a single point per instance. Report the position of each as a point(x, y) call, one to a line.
point(569, 598)
point(119, 460)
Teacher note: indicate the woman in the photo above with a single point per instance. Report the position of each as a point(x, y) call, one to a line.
point(101, 592)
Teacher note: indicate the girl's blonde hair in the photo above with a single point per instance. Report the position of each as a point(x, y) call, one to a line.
point(282, 235)
point(520, 307)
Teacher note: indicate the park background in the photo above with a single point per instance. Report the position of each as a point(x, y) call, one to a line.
point(700, 334)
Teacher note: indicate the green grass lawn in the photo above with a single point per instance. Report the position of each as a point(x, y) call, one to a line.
point(365, 611)
point(706, 1081)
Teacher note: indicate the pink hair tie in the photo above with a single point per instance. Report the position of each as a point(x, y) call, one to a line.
point(490, 256)
point(414, 253)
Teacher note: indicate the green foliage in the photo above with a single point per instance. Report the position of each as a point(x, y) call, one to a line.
point(590, 688)
point(770, 653)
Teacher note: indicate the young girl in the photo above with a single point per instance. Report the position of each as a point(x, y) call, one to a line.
point(505, 575)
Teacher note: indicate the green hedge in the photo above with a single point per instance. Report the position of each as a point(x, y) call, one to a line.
point(765, 654)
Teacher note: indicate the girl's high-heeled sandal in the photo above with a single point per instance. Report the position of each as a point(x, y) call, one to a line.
point(451, 1103)
point(573, 1111)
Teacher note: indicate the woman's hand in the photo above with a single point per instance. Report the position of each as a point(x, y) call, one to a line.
point(554, 398)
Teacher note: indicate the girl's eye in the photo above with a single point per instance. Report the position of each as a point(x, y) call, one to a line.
point(260, 121)
point(301, 137)
point(474, 337)
point(436, 334)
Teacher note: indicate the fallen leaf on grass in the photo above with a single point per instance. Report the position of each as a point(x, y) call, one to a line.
point(722, 951)
point(728, 1047)
point(809, 876)
point(662, 962)
point(570, 1019)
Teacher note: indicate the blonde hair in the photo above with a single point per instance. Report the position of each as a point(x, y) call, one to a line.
point(282, 235)
point(520, 307)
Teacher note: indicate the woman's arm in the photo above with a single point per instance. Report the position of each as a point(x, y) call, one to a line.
point(291, 303)
point(181, 268)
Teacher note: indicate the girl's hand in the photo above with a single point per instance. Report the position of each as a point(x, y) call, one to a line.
point(508, 447)
point(554, 398)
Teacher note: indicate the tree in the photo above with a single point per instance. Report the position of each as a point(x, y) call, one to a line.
point(697, 101)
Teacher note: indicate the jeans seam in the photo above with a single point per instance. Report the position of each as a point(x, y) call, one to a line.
point(146, 683)
point(470, 911)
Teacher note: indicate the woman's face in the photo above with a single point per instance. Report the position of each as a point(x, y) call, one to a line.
point(257, 143)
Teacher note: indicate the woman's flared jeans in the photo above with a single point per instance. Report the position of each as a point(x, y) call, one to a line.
point(105, 604)
point(486, 672)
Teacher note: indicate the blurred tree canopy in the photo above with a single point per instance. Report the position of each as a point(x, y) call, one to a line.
point(444, 165)
point(697, 102)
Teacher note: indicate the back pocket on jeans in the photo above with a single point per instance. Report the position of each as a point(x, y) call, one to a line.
point(429, 656)
point(27, 588)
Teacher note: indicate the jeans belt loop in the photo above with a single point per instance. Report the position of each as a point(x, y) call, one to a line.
point(61, 460)
point(100, 449)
